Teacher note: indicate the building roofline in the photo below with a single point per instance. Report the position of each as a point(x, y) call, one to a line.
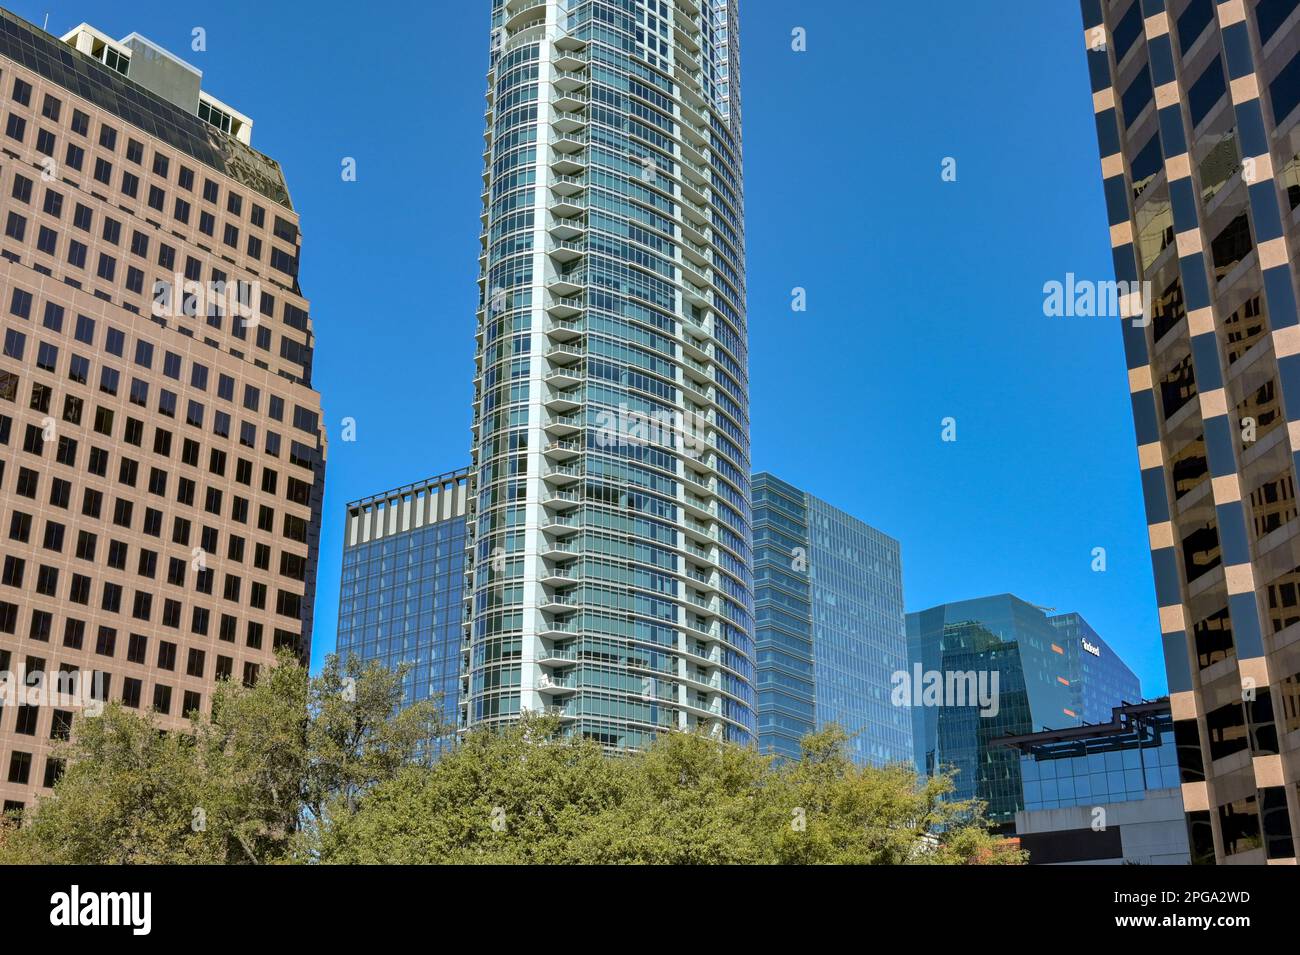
point(460, 475)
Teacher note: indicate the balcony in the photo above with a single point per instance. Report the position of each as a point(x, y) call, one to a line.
point(563, 426)
point(697, 507)
point(568, 81)
point(569, 101)
point(556, 602)
point(687, 35)
point(562, 475)
point(555, 656)
point(570, 142)
point(565, 252)
point(560, 574)
point(558, 550)
point(693, 94)
point(567, 228)
point(562, 402)
point(564, 377)
point(569, 164)
point(566, 284)
point(567, 353)
point(691, 191)
point(562, 450)
point(570, 52)
point(568, 185)
point(555, 629)
point(565, 329)
point(566, 122)
point(561, 501)
point(567, 306)
point(555, 686)
point(697, 135)
point(561, 527)
point(519, 12)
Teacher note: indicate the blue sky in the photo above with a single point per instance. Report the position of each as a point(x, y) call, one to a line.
point(924, 297)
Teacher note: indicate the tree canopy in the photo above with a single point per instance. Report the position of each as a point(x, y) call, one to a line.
point(333, 769)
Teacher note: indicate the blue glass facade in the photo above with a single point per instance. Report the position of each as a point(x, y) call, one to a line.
point(403, 585)
point(1100, 679)
point(1120, 761)
point(829, 598)
point(1039, 687)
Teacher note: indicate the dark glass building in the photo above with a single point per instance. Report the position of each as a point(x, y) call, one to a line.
point(1015, 653)
point(1197, 109)
point(403, 586)
point(829, 599)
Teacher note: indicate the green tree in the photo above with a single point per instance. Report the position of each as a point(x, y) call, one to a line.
point(527, 794)
point(523, 794)
point(334, 770)
point(253, 782)
point(358, 735)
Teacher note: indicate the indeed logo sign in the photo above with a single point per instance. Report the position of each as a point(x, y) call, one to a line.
point(103, 908)
point(1091, 647)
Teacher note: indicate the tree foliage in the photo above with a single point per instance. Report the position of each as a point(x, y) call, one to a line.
point(333, 770)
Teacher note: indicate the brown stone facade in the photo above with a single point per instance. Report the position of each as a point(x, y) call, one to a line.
point(161, 475)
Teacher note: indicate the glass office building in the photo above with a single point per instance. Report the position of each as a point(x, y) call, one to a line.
point(1104, 793)
point(610, 520)
point(403, 585)
point(829, 599)
point(1197, 111)
point(1100, 679)
point(1039, 686)
point(1124, 758)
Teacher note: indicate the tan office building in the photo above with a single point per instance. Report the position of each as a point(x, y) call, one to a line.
point(161, 447)
point(1197, 108)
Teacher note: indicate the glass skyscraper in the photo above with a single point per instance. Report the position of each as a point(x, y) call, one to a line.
point(1197, 112)
point(1041, 685)
point(610, 523)
point(402, 592)
point(829, 597)
point(1100, 679)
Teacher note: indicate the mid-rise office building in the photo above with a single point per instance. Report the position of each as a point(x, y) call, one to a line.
point(1107, 793)
point(161, 448)
point(1197, 108)
point(831, 635)
point(1099, 678)
point(996, 666)
point(610, 521)
point(402, 593)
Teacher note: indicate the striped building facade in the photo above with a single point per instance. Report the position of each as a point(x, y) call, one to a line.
point(1196, 114)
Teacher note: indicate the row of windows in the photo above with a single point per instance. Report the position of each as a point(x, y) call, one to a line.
point(225, 292)
point(114, 343)
point(79, 125)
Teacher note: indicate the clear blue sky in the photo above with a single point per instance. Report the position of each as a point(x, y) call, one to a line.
point(924, 297)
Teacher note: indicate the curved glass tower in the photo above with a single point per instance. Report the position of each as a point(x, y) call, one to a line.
point(610, 577)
